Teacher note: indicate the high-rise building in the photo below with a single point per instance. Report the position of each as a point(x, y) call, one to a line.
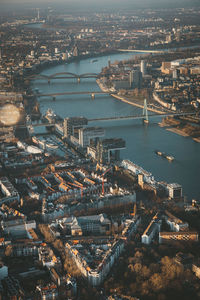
point(89, 133)
point(64, 56)
point(131, 79)
point(71, 123)
point(169, 38)
point(175, 74)
point(137, 79)
point(75, 51)
point(143, 67)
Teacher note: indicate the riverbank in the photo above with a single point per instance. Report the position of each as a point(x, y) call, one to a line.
point(133, 102)
point(185, 130)
point(177, 131)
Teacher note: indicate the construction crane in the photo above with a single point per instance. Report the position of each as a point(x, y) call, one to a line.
point(103, 179)
point(134, 210)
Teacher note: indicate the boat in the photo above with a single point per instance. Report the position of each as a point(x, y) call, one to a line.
point(170, 157)
point(163, 154)
point(158, 152)
point(51, 116)
point(94, 60)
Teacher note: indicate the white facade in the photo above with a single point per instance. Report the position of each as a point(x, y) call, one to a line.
point(127, 164)
point(8, 189)
point(143, 67)
point(175, 223)
point(151, 230)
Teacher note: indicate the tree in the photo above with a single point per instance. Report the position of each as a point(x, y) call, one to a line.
point(145, 272)
point(170, 269)
point(157, 282)
point(145, 288)
point(137, 268)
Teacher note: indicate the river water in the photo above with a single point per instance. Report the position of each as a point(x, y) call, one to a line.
point(141, 141)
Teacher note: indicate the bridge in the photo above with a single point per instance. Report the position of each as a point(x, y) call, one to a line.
point(142, 116)
point(140, 51)
point(54, 95)
point(63, 75)
point(71, 93)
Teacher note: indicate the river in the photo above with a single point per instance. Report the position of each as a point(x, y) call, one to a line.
point(141, 141)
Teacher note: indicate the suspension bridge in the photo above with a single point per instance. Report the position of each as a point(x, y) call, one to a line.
point(145, 116)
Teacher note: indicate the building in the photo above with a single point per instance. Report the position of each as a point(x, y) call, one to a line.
point(47, 257)
point(109, 148)
point(166, 237)
point(174, 190)
point(141, 180)
point(75, 51)
point(130, 226)
point(18, 227)
point(95, 272)
point(49, 291)
point(12, 288)
point(71, 123)
point(143, 67)
point(147, 177)
point(96, 224)
point(11, 194)
point(169, 38)
point(175, 223)
point(89, 133)
point(25, 250)
point(106, 150)
point(137, 79)
point(97, 275)
point(166, 65)
point(196, 269)
point(3, 271)
point(151, 230)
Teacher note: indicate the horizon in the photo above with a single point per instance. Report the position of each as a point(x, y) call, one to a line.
point(7, 5)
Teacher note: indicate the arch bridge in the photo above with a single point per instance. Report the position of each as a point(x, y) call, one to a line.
point(64, 75)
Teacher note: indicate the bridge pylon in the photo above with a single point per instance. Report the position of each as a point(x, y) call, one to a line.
point(145, 113)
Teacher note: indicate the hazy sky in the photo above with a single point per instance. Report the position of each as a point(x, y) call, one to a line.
point(101, 3)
